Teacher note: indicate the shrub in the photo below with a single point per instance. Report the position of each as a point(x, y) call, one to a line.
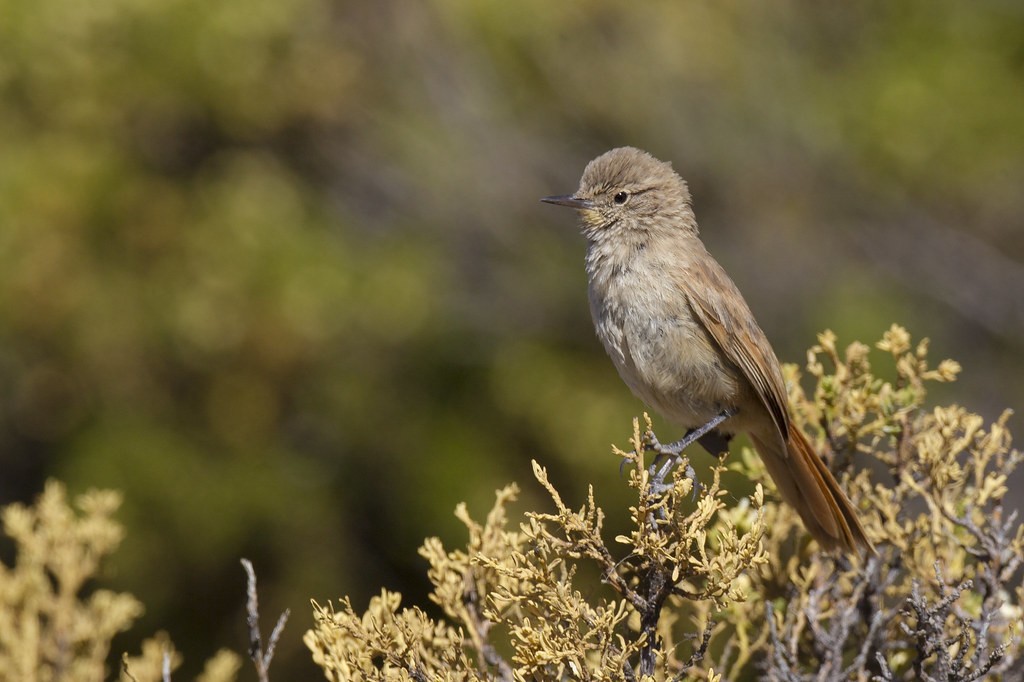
point(700, 588)
point(705, 589)
point(52, 627)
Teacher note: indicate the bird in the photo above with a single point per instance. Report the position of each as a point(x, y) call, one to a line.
point(683, 338)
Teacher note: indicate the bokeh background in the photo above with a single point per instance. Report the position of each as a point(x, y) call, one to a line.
point(277, 269)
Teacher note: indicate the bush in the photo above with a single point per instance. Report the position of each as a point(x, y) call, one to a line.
point(51, 626)
point(702, 589)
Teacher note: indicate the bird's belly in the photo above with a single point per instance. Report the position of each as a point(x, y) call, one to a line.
point(671, 364)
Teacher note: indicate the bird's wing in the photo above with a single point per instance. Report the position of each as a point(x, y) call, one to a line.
point(720, 308)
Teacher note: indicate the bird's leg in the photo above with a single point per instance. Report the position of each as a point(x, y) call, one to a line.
point(674, 450)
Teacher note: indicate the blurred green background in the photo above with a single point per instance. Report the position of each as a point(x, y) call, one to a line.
point(277, 269)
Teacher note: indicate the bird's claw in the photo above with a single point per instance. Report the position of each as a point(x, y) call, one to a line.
point(675, 451)
point(657, 476)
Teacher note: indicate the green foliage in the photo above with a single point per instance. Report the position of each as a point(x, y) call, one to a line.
point(706, 589)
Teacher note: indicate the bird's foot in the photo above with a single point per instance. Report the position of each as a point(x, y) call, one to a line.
point(674, 451)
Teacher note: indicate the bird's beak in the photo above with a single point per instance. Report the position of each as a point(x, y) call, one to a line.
point(570, 201)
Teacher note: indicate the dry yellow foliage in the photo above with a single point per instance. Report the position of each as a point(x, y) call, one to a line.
point(51, 627)
point(702, 589)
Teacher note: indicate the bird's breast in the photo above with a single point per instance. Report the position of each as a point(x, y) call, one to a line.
point(660, 350)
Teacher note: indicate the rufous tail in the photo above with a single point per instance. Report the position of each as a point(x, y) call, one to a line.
point(807, 485)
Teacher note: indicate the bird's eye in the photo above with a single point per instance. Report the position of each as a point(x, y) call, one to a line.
point(620, 198)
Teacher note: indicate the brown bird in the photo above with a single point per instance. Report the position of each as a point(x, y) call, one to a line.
point(682, 337)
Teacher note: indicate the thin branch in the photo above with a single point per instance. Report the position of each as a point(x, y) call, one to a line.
point(124, 668)
point(480, 627)
point(260, 657)
point(698, 654)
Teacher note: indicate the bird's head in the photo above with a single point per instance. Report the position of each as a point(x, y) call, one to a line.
point(628, 189)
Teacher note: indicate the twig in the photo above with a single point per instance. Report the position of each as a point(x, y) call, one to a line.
point(698, 653)
point(479, 628)
point(260, 657)
point(124, 668)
